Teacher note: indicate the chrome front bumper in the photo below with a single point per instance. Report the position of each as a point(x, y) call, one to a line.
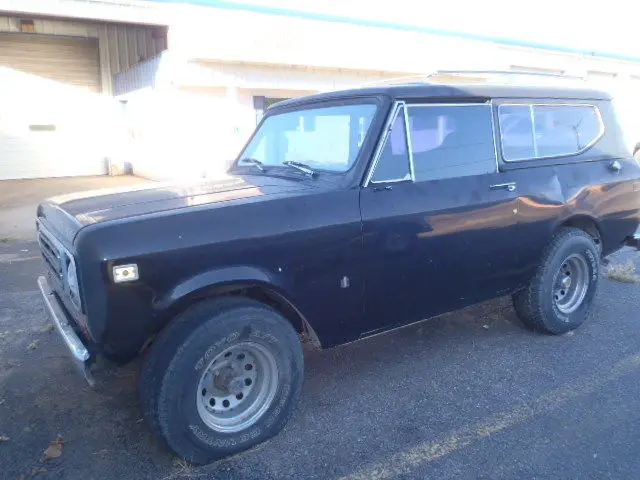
point(78, 351)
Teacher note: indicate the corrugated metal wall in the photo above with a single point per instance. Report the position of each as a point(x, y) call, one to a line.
point(131, 44)
point(141, 76)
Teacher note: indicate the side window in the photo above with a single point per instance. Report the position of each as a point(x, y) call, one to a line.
point(393, 164)
point(516, 132)
point(565, 130)
point(538, 131)
point(449, 141)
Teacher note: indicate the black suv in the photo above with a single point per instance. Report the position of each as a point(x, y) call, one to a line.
point(346, 214)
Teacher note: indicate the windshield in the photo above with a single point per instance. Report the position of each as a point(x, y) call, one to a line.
point(326, 138)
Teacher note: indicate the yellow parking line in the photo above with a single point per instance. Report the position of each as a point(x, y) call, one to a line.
point(405, 461)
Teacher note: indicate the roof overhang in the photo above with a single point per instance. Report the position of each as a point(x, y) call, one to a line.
point(120, 11)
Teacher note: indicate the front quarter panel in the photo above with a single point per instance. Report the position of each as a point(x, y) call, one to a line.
point(302, 245)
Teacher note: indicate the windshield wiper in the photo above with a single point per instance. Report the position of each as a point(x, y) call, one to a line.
point(303, 167)
point(252, 161)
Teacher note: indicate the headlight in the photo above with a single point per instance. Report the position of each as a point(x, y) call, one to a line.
point(72, 282)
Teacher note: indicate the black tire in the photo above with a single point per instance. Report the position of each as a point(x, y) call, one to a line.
point(536, 306)
point(176, 361)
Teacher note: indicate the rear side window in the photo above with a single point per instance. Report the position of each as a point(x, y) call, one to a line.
point(516, 132)
point(449, 141)
point(541, 131)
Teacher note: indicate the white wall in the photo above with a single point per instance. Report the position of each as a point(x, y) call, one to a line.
point(208, 113)
point(180, 133)
point(232, 36)
point(228, 35)
point(304, 79)
point(198, 118)
point(625, 91)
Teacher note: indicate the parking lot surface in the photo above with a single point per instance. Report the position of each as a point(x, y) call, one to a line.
point(468, 395)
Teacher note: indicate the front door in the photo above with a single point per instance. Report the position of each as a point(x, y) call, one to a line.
point(439, 220)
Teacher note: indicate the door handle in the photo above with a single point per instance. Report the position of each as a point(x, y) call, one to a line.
point(509, 187)
point(615, 166)
point(381, 189)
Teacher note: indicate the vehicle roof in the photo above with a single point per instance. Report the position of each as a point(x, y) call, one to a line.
point(453, 91)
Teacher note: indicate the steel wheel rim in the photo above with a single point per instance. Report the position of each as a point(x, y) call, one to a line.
point(237, 387)
point(571, 284)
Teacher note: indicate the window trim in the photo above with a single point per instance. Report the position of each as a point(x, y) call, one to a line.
point(407, 132)
point(391, 120)
point(395, 111)
point(531, 106)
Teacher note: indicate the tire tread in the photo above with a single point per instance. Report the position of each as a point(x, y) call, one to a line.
point(527, 301)
point(158, 363)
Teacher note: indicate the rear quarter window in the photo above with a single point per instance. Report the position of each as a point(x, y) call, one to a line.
point(531, 131)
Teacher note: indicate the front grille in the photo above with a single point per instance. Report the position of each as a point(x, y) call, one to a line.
point(51, 253)
point(61, 265)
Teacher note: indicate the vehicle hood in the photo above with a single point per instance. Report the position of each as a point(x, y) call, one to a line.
point(66, 214)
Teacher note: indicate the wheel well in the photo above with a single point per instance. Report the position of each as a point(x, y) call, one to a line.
point(586, 224)
point(259, 293)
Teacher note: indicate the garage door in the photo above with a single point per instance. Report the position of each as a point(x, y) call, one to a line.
point(50, 107)
point(70, 61)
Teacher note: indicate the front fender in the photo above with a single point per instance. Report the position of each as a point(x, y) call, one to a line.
point(213, 279)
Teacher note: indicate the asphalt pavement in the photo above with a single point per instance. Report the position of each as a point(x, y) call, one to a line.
point(471, 394)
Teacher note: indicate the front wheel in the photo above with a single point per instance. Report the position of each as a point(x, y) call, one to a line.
point(559, 296)
point(224, 376)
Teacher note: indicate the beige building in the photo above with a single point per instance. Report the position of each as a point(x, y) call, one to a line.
point(173, 89)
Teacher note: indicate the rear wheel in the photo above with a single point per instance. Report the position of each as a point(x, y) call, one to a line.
point(221, 378)
point(559, 296)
